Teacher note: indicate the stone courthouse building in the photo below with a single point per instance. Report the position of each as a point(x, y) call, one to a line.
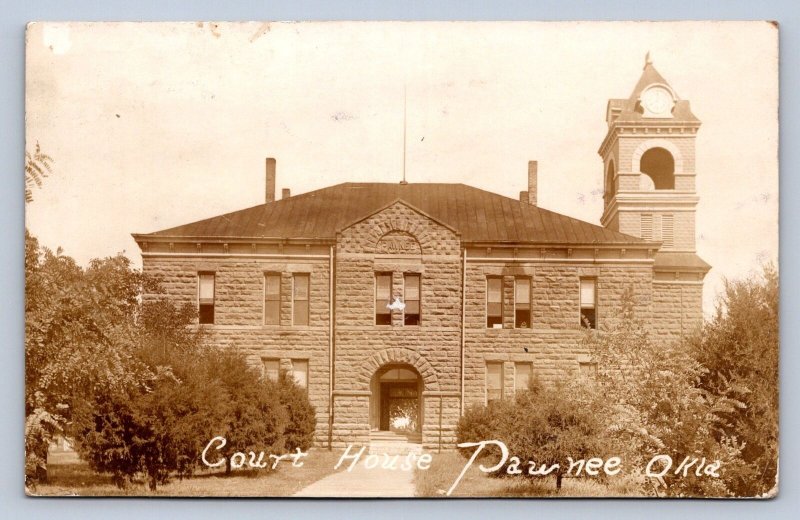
point(399, 305)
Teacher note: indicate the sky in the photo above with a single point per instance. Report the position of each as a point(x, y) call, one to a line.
point(156, 125)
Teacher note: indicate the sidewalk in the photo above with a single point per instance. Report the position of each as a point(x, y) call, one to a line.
point(362, 482)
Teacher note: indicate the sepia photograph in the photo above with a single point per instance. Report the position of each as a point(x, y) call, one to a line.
point(401, 259)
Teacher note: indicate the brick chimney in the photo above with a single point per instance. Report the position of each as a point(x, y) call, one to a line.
point(523, 196)
point(533, 182)
point(270, 192)
point(286, 193)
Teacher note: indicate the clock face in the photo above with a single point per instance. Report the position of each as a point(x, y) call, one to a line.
point(657, 101)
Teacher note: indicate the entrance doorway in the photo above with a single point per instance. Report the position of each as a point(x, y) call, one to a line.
point(395, 405)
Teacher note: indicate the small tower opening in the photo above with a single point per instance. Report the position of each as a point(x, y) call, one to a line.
point(658, 167)
point(611, 185)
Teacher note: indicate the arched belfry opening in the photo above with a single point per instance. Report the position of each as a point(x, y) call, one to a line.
point(658, 168)
point(396, 399)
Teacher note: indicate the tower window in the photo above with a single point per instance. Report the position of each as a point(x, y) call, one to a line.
point(659, 167)
point(589, 303)
point(647, 226)
point(668, 231)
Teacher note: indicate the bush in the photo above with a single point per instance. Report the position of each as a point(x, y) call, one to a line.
point(301, 416)
point(543, 424)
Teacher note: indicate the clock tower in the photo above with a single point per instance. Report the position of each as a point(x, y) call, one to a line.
point(649, 181)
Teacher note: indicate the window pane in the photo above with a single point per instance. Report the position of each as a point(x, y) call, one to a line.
point(523, 292)
point(301, 287)
point(412, 287)
point(522, 376)
point(300, 372)
point(494, 381)
point(494, 290)
point(206, 313)
point(207, 287)
point(301, 312)
point(273, 287)
point(522, 318)
point(412, 307)
point(272, 312)
point(588, 318)
point(587, 292)
point(383, 286)
point(271, 369)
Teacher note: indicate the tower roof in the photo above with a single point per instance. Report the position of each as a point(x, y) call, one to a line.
point(629, 110)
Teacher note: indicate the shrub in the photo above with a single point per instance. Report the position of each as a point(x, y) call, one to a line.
point(301, 416)
point(543, 424)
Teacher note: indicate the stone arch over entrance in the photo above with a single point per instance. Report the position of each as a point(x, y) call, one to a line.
point(398, 356)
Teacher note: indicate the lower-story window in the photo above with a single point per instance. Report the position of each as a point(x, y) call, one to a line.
point(272, 369)
point(587, 369)
point(494, 381)
point(300, 372)
point(522, 376)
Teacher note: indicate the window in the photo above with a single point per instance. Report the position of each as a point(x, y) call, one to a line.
point(300, 300)
point(522, 303)
point(494, 302)
point(494, 381)
point(588, 303)
point(411, 294)
point(300, 372)
point(272, 369)
point(206, 297)
point(383, 291)
point(647, 226)
point(522, 376)
point(272, 299)
point(587, 369)
point(668, 231)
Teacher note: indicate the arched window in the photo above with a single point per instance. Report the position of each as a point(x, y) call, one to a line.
point(611, 185)
point(658, 167)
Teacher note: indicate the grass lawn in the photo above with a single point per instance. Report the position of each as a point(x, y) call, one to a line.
point(70, 476)
point(446, 467)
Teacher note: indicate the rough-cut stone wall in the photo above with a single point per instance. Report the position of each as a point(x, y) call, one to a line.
point(553, 345)
point(432, 348)
point(677, 309)
point(239, 313)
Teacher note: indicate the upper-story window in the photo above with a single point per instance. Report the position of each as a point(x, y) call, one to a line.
point(522, 303)
point(205, 296)
point(667, 231)
point(411, 290)
point(272, 299)
point(383, 292)
point(588, 302)
point(494, 302)
point(300, 299)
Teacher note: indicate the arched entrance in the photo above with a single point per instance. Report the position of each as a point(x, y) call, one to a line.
point(395, 402)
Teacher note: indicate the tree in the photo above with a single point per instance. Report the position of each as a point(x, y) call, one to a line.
point(38, 165)
point(739, 346)
point(654, 406)
point(79, 326)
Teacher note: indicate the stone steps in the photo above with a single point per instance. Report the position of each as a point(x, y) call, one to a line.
point(393, 443)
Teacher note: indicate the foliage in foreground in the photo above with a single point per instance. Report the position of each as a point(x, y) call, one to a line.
point(129, 379)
